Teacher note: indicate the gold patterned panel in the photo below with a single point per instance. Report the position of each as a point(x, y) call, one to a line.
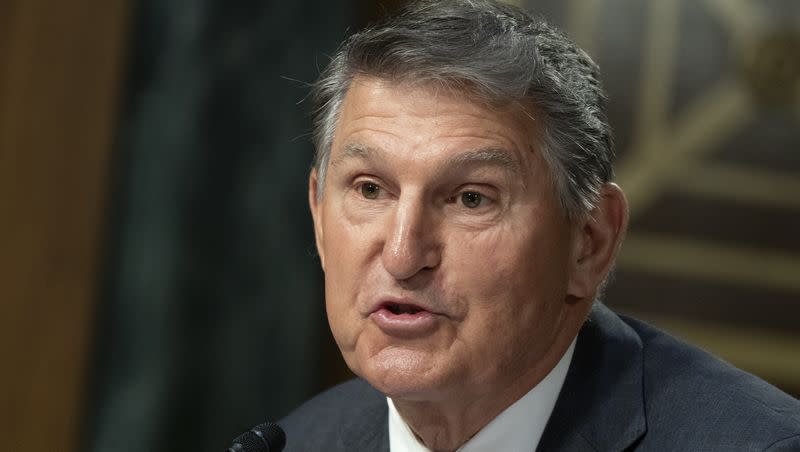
point(678, 148)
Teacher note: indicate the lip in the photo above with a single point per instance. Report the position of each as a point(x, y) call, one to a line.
point(404, 324)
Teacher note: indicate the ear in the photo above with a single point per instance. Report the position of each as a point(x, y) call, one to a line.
point(316, 213)
point(598, 238)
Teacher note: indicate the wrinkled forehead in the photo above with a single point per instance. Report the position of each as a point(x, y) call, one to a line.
point(367, 93)
point(404, 110)
point(447, 85)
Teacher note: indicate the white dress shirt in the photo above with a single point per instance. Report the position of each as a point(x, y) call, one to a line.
point(518, 428)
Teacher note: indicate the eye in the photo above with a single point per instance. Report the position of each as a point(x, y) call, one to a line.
point(370, 190)
point(471, 199)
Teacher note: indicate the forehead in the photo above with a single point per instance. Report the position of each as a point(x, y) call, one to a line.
point(430, 119)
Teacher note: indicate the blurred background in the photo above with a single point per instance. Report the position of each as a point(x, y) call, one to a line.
point(159, 289)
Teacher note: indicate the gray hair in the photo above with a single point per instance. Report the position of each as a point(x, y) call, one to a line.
point(496, 53)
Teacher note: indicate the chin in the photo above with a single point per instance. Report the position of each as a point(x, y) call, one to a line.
point(409, 389)
point(403, 374)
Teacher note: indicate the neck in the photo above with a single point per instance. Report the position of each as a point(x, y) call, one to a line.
point(447, 424)
point(446, 427)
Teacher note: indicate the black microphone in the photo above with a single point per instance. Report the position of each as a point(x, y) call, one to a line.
point(266, 437)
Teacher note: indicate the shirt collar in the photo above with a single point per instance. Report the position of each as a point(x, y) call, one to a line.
point(517, 428)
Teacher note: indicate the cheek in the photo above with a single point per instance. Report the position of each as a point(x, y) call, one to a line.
point(512, 283)
point(341, 272)
point(345, 246)
point(506, 263)
point(349, 261)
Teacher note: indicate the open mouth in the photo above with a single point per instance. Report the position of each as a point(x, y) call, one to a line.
point(402, 308)
point(402, 318)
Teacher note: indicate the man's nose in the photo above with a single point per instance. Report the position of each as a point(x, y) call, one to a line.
point(411, 243)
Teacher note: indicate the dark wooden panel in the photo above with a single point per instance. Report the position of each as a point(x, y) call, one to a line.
point(59, 70)
point(722, 221)
point(700, 300)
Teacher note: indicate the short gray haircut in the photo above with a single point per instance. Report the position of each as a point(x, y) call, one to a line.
point(496, 53)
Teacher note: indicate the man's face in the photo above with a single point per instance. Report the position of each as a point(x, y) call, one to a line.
point(446, 254)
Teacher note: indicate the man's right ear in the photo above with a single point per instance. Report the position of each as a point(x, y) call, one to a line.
point(316, 213)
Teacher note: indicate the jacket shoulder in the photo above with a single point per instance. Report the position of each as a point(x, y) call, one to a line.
point(702, 401)
point(321, 422)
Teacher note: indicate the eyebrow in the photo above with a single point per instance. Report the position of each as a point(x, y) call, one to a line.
point(357, 151)
point(487, 156)
point(490, 156)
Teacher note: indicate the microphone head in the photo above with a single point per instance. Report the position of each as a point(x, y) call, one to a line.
point(266, 437)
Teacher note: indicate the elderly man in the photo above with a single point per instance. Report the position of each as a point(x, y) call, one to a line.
point(466, 219)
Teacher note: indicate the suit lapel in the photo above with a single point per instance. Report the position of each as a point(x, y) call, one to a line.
point(369, 430)
point(601, 406)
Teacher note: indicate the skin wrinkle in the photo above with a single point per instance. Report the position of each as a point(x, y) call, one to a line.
point(513, 281)
point(501, 277)
point(489, 156)
point(521, 121)
point(480, 164)
point(476, 162)
point(437, 87)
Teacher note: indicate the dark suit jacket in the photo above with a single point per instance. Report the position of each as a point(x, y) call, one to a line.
point(629, 387)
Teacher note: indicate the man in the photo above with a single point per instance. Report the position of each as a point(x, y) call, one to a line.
point(466, 219)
